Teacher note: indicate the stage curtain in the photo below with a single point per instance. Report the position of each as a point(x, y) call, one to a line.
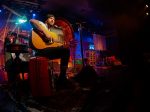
point(99, 42)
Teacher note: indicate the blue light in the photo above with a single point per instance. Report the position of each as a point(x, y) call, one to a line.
point(34, 15)
point(91, 47)
point(0, 10)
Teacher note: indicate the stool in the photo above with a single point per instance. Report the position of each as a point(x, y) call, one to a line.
point(40, 80)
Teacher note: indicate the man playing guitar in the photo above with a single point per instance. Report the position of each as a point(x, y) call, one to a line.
point(47, 40)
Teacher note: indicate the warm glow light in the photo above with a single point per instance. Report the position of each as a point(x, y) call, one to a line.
point(23, 76)
point(147, 13)
point(146, 5)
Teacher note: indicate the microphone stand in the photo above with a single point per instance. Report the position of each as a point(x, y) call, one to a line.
point(81, 42)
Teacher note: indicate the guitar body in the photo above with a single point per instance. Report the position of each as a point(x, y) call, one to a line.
point(38, 42)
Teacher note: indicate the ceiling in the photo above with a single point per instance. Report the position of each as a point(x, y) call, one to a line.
point(97, 15)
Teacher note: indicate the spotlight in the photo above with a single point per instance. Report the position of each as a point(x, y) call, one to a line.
point(21, 20)
point(33, 14)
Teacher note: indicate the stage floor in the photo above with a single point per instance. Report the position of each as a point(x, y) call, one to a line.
point(115, 89)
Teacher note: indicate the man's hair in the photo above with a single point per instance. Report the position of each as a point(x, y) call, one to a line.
point(46, 16)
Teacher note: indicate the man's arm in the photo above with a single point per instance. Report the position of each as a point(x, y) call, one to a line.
point(36, 24)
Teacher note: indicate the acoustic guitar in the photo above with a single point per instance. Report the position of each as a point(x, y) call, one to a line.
point(39, 41)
